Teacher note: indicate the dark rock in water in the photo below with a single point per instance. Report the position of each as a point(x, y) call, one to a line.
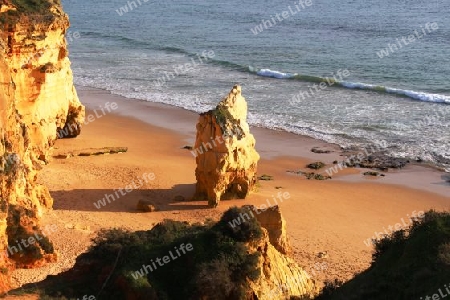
point(376, 161)
point(316, 176)
point(265, 177)
point(188, 147)
point(311, 175)
point(373, 173)
point(441, 160)
point(320, 151)
point(316, 165)
point(382, 161)
point(446, 177)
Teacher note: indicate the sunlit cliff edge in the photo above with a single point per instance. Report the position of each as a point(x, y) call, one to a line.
point(37, 101)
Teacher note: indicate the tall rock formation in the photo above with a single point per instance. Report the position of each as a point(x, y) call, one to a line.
point(225, 151)
point(35, 48)
point(37, 98)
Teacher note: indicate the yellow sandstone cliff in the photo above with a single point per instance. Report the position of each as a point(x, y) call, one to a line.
point(37, 99)
point(225, 151)
point(281, 277)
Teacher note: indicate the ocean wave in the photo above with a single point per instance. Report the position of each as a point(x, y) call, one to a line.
point(274, 74)
point(415, 95)
point(422, 96)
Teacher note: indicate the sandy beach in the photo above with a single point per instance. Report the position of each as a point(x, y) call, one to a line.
point(328, 221)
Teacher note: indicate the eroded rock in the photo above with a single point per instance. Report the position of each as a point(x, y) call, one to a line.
point(22, 200)
point(37, 97)
point(272, 220)
point(225, 151)
point(281, 277)
point(37, 57)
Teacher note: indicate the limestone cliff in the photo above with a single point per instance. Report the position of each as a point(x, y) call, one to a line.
point(272, 220)
point(37, 98)
point(281, 277)
point(225, 151)
point(35, 48)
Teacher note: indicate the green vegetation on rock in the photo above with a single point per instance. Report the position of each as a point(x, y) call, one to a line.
point(219, 266)
point(228, 124)
point(35, 10)
point(34, 6)
point(408, 264)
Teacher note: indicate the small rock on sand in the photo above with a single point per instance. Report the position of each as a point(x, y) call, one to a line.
point(146, 205)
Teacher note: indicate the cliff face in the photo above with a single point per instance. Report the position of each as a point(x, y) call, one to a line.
point(225, 151)
point(37, 98)
point(281, 277)
point(272, 220)
point(36, 52)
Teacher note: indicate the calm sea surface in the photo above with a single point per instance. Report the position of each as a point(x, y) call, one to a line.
point(391, 59)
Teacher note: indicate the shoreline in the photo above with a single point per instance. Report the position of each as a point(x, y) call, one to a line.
point(270, 143)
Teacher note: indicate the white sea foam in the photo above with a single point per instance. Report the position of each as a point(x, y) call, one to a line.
point(422, 96)
point(274, 74)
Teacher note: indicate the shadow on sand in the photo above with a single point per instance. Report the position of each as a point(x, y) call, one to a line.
point(112, 200)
